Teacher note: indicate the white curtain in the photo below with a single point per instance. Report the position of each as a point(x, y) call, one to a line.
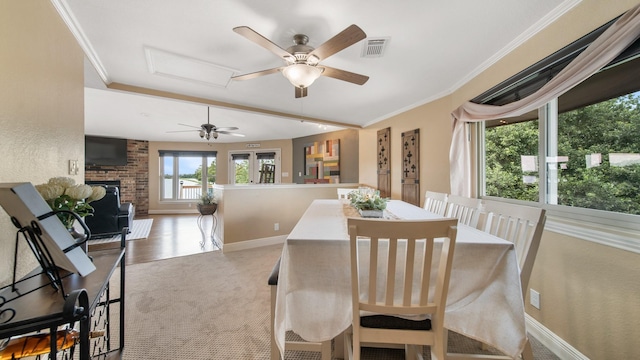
point(601, 52)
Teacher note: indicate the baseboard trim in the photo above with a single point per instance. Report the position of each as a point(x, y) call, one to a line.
point(551, 341)
point(250, 244)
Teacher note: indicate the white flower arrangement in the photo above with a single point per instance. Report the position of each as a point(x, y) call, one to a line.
point(62, 193)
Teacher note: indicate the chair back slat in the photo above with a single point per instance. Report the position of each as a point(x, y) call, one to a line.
point(519, 224)
point(467, 210)
point(426, 272)
point(435, 202)
point(397, 256)
point(408, 273)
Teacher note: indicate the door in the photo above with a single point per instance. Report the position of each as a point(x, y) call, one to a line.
point(245, 165)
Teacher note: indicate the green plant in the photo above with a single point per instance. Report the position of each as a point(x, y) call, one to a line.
point(367, 199)
point(207, 199)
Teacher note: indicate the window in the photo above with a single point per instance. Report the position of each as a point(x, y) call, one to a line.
point(578, 153)
point(245, 166)
point(591, 157)
point(186, 175)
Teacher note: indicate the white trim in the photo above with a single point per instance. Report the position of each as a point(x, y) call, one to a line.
point(74, 26)
point(250, 244)
point(551, 341)
point(602, 234)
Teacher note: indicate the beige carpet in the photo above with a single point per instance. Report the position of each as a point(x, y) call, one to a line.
point(215, 306)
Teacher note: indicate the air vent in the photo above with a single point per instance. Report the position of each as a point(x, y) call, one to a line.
point(374, 47)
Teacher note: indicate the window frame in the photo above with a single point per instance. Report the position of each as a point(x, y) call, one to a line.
point(618, 230)
point(176, 154)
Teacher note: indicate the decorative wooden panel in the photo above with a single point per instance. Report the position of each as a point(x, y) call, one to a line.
point(384, 162)
point(411, 167)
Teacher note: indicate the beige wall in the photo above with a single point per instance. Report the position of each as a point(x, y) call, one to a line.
point(262, 207)
point(589, 292)
point(435, 135)
point(42, 113)
point(222, 162)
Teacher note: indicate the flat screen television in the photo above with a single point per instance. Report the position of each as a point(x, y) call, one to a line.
point(101, 151)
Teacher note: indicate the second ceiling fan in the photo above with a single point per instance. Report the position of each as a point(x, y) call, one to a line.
point(303, 61)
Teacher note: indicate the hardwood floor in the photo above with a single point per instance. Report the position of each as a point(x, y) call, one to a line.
point(170, 236)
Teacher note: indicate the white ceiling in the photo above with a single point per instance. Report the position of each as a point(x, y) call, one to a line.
point(434, 47)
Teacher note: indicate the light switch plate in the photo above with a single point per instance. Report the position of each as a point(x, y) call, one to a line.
point(534, 298)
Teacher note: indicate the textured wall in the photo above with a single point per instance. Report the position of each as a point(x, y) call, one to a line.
point(41, 107)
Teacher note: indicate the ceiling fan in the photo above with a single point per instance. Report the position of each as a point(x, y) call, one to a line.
point(303, 61)
point(209, 130)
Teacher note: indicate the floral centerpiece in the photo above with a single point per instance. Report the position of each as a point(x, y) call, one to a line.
point(62, 193)
point(368, 202)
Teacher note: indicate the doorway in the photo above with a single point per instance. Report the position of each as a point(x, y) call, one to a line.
point(245, 165)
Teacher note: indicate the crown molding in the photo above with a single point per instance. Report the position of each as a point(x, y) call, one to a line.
point(72, 23)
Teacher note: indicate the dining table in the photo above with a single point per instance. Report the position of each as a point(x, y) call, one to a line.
point(484, 302)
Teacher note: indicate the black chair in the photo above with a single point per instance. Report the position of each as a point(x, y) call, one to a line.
point(109, 216)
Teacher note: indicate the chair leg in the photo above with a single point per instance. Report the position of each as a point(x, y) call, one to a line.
point(275, 353)
point(410, 352)
point(351, 352)
point(527, 352)
point(325, 350)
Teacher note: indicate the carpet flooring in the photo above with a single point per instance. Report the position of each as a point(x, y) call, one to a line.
point(140, 229)
point(214, 306)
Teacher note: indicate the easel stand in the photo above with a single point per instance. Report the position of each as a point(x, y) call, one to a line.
point(32, 235)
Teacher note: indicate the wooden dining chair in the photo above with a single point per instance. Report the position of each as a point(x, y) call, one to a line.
point(324, 348)
point(523, 226)
point(465, 209)
point(435, 202)
point(391, 270)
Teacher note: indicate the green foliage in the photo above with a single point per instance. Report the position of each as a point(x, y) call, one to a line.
point(504, 146)
point(608, 127)
point(207, 199)
point(367, 200)
point(211, 172)
point(242, 172)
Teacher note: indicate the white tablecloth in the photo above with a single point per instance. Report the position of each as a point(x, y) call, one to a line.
point(314, 289)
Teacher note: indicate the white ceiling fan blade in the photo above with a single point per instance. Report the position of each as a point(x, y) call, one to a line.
point(230, 133)
point(195, 127)
point(177, 131)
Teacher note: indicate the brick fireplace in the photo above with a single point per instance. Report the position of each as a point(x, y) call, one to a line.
point(133, 177)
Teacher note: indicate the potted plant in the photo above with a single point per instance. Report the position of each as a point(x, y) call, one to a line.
point(368, 202)
point(207, 204)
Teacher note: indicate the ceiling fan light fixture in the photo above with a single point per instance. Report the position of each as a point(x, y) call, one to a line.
point(301, 75)
point(202, 133)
